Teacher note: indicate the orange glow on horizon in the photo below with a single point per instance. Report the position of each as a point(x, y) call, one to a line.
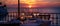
point(33, 3)
point(29, 2)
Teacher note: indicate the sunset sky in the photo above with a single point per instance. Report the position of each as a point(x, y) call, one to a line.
point(31, 2)
point(12, 4)
point(40, 3)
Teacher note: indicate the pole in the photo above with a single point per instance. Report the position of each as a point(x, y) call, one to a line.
point(18, 9)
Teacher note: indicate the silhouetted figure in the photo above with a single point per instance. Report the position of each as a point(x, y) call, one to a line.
point(3, 12)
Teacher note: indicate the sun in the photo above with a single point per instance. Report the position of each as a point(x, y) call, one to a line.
point(30, 6)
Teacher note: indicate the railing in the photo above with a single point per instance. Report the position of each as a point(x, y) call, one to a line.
point(54, 17)
point(12, 15)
